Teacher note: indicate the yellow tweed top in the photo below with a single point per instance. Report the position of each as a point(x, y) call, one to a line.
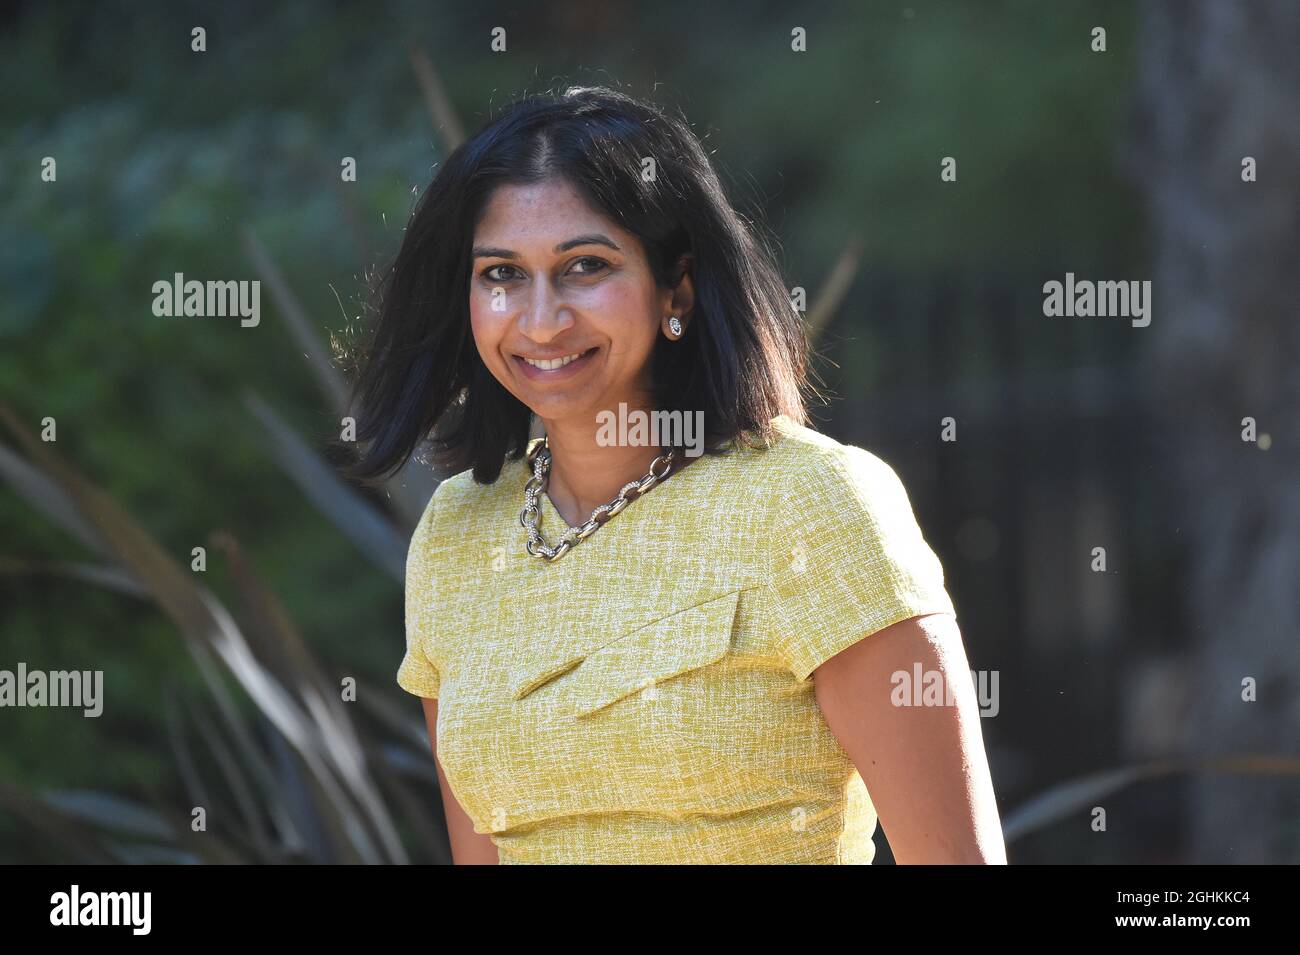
point(646, 698)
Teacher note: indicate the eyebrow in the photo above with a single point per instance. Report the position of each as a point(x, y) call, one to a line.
point(595, 238)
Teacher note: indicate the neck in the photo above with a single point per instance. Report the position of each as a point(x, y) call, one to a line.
point(585, 474)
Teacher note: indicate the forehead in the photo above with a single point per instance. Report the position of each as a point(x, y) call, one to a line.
point(547, 211)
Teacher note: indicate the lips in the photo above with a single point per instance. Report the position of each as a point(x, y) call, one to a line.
point(566, 370)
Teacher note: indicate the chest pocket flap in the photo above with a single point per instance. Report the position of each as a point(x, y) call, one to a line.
point(670, 646)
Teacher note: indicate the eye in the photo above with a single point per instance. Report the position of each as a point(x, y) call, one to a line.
point(597, 263)
point(486, 272)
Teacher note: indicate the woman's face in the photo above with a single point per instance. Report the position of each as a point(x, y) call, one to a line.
point(553, 278)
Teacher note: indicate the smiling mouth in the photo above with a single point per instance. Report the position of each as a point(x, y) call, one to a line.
point(554, 364)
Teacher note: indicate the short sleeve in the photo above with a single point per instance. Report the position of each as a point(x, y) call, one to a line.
point(417, 674)
point(849, 559)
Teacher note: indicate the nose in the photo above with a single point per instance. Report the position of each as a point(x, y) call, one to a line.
point(546, 317)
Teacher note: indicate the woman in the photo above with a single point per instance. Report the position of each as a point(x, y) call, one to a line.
point(630, 651)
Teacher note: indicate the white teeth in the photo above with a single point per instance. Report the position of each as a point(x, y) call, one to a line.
point(552, 364)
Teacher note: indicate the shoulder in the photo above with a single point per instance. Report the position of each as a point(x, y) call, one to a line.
point(846, 555)
point(809, 469)
point(837, 502)
point(456, 508)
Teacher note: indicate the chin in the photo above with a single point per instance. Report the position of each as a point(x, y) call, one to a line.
point(555, 407)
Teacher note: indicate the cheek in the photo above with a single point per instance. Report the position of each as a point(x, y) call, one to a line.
point(623, 312)
point(488, 326)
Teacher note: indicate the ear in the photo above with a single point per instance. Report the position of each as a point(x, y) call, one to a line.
point(683, 300)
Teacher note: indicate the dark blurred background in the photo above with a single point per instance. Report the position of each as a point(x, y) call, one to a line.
point(1163, 689)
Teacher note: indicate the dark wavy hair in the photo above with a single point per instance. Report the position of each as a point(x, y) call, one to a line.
point(417, 375)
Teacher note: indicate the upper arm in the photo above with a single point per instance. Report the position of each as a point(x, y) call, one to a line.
point(924, 765)
point(467, 846)
point(855, 596)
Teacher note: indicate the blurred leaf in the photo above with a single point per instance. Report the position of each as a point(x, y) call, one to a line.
point(208, 628)
point(137, 552)
point(288, 654)
point(835, 287)
point(245, 788)
point(373, 535)
point(79, 841)
point(112, 578)
point(436, 100)
point(413, 485)
point(1079, 795)
point(300, 326)
point(154, 855)
point(109, 811)
point(47, 498)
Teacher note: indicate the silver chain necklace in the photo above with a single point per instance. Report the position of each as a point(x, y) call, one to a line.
point(540, 455)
